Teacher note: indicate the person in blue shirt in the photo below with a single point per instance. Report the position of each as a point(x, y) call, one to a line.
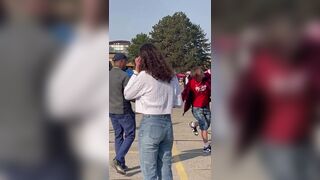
point(129, 71)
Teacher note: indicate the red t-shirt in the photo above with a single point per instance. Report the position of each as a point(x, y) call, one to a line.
point(201, 92)
point(286, 90)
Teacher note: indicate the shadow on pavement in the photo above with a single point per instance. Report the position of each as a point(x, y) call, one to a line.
point(189, 154)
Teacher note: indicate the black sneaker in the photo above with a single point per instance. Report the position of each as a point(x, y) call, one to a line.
point(126, 168)
point(116, 165)
point(194, 129)
point(207, 149)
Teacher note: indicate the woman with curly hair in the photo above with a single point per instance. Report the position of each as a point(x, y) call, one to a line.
point(156, 90)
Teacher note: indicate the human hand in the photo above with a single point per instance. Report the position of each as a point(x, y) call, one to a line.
point(138, 64)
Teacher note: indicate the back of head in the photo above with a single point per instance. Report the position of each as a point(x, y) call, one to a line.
point(154, 63)
point(197, 73)
point(120, 60)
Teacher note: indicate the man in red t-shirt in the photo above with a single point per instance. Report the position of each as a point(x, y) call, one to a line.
point(199, 90)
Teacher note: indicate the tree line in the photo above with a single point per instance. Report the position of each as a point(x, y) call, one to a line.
point(183, 43)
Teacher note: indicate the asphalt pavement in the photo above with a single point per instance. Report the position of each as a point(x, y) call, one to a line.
point(189, 162)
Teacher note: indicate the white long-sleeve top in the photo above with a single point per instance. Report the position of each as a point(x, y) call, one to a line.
point(153, 96)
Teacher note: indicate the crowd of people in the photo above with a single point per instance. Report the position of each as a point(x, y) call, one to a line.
point(154, 88)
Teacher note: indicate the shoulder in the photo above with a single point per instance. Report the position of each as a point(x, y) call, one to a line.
point(191, 81)
point(143, 75)
point(113, 72)
point(118, 72)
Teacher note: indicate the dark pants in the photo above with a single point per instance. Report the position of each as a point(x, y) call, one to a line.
point(124, 126)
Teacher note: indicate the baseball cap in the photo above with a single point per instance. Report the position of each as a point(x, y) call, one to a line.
point(119, 56)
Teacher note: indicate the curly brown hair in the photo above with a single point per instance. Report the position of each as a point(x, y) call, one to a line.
point(153, 62)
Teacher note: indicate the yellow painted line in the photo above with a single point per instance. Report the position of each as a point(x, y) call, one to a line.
point(179, 166)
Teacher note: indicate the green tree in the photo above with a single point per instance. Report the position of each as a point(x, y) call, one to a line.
point(136, 43)
point(183, 43)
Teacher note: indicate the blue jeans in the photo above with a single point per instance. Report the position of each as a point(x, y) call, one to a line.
point(124, 126)
point(203, 116)
point(290, 162)
point(155, 146)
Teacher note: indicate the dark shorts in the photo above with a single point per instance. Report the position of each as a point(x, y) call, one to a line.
point(203, 116)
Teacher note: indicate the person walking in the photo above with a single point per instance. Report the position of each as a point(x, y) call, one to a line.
point(197, 95)
point(156, 90)
point(121, 113)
